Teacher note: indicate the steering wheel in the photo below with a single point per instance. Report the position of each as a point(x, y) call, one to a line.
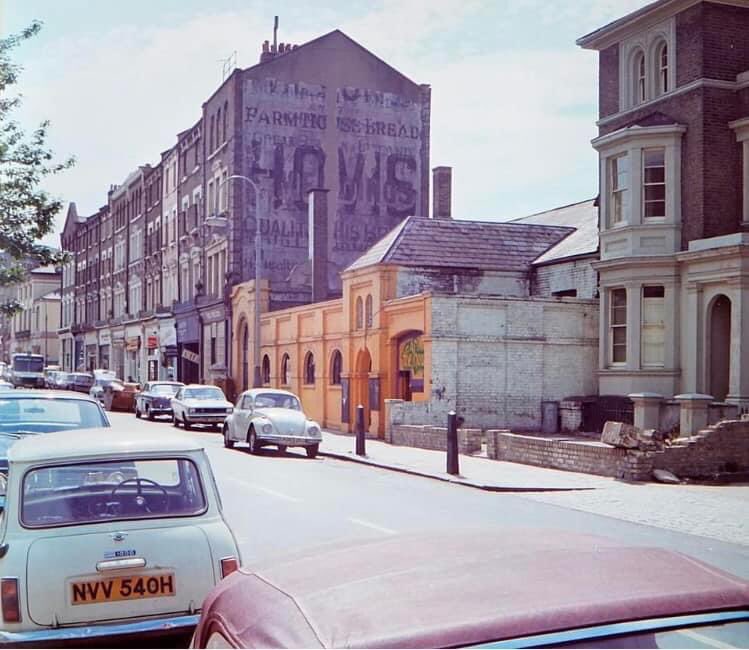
point(140, 500)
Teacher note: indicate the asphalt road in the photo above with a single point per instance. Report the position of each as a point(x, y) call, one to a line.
point(277, 503)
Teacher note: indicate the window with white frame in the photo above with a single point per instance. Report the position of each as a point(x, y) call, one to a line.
point(640, 78)
point(618, 326)
point(654, 183)
point(652, 330)
point(662, 64)
point(618, 189)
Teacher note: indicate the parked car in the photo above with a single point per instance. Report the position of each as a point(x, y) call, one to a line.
point(101, 381)
point(48, 372)
point(120, 396)
point(265, 416)
point(513, 589)
point(108, 537)
point(156, 398)
point(80, 382)
point(198, 404)
point(24, 413)
point(5, 385)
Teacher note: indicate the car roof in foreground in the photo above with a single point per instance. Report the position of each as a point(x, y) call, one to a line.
point(277, 391)
point(48, 394)
point(441, 590)
point(101, 441)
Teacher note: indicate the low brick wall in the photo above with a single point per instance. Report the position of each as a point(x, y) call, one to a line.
point(426, 437)
point(723, 447)
point(576, 456)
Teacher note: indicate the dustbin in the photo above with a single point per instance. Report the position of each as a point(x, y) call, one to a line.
point(550, 417)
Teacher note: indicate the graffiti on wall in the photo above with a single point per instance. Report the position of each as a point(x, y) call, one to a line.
point(366, 147)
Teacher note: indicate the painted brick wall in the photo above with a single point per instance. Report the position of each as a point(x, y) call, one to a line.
point(494, 360)
point(461, 281)
point(577, 274)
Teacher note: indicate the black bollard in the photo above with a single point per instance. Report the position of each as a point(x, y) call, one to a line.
point(452, 444)
point(360, 431)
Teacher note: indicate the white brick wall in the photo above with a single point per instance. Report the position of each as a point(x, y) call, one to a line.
point(497, 359)
point(577, 274)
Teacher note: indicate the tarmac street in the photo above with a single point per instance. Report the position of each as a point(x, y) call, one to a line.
point(277, 503)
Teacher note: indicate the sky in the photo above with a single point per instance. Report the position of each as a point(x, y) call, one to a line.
point(514, 100)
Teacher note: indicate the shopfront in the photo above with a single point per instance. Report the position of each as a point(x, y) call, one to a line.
point(79, 360)
point(213, 356)
point(105, 346)
point(168, 349)
point(188, 347)
point(91, 341)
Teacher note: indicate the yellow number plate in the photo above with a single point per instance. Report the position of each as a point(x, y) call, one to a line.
point(122, 588)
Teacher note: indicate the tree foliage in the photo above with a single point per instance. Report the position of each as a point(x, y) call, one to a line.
point(27, 212)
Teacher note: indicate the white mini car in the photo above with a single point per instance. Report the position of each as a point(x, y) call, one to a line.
point(108, 534)
point(265, 416)
point(198, 404)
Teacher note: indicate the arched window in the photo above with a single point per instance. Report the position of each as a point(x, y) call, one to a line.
point(368, 311)
point(336, 365)
point(662, 63)
point(245, 357)
point(639, 77)
point(285, 368)
point(266, 369)
point(226, 110)
point(359, 313)
point(309, 368)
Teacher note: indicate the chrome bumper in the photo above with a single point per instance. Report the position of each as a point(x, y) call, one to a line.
point(203, 418)
point(169, 625)
point(289, 441)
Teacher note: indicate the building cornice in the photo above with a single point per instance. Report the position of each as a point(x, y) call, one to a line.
point(637, 132)
point(640, 20)
point(697, 84)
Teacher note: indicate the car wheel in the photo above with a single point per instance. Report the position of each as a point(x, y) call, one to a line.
point(282, 448)
point(149, 415)
point(186, 424)
point(312, 450)
point(229, 444)
point(252, 441)
point(175, 421)
point(137, 412)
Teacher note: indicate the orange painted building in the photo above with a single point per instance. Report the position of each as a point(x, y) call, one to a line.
point(359, 349)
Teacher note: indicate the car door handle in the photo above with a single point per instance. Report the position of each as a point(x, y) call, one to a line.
point(125, 563)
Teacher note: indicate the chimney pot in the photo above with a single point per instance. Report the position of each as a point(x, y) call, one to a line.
point(442, 192)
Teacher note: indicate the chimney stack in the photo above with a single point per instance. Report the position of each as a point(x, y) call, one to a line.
point(318, 242)
point(442, 178)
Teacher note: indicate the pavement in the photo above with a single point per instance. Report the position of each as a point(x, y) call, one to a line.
point(717, 511)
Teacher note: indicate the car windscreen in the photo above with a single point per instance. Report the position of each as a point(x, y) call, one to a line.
point(44, 415)
point(277, 400)
point(106, 491)
point(164, 389)
point(28, 364)
point(203, 393)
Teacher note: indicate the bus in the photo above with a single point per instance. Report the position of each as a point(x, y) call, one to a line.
point(27, 370)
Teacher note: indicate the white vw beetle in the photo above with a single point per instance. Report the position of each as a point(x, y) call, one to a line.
point(265, 416)
point(108, 534)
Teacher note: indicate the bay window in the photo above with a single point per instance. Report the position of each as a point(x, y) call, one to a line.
point(652, 332)
point(654, 183)
point(619, 185)
point(618, 326)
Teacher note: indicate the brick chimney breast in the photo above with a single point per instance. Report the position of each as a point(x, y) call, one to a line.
point(442, 192)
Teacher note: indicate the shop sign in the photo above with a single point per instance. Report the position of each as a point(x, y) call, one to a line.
point(214, 315)
point(152, 342)
point(132, 343)
point(191, 356)
point(105, 338)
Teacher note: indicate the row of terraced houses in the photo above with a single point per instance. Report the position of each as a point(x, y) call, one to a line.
point(367, 300)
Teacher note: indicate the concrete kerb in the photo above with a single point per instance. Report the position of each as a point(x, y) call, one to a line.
point(448, 479)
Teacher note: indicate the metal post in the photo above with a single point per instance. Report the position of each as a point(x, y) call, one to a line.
point(360, 450)
point(452, 444)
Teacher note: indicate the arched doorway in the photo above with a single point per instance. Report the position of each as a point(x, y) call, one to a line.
point(361, 385)
point(245, 357)
point(719, 347)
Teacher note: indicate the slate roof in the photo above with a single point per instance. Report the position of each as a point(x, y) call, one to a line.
point(582, 216)
point(443, 243)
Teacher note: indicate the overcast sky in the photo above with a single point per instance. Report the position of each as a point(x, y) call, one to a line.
point(514, 100)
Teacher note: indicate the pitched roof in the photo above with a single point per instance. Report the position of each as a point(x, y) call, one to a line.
point(442, 243)
point(583, 217)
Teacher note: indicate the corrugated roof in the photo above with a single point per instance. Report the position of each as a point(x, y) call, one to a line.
point(443, 243)
point(583, 217)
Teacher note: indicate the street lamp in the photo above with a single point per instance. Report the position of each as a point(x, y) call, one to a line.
point(257, 380)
